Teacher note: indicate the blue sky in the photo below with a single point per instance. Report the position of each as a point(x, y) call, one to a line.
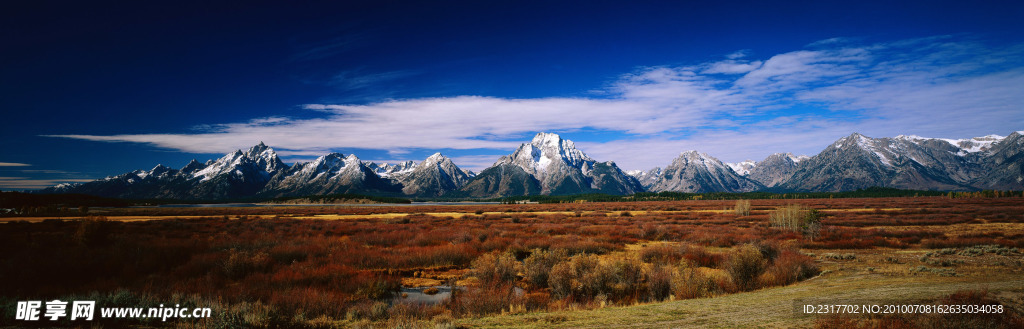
point(98, 89)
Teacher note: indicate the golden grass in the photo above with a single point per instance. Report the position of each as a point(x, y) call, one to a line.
point(959, 229)
point(393, 215)
point(860, 209)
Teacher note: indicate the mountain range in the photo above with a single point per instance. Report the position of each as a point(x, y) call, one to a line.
point(550, 165)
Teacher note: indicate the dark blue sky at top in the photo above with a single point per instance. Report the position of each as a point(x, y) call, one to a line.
point(139, 67)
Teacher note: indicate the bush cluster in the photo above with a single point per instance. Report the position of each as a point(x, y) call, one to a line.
point(796, 218)
point(653, 273)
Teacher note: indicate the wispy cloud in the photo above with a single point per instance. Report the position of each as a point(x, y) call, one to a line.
point(329, 48)
point(732, 67)
point(25, 183)
point(45, 171)
point(734, 108)
point(359, 79)
point(14, 164)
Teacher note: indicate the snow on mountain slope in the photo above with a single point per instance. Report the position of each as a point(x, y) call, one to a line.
point(698, 172)
point(557, 166)
point(742, 168)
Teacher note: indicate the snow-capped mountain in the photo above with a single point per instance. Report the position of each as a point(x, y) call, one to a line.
point(435, 176)
point(259, 172)
point(693, 171)
point(260, 160)
point(907, 162)
point(1003, 160)
point(775, 169)
point(647, 178)
point(966, 146)
point(550, 165)
point(387, 170)
point(329, 174)
point(235, 175)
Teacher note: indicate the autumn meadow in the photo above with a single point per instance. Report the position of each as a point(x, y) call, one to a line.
point(698, 263)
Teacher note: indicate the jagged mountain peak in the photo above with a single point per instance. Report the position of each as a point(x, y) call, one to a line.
point(259, 160)
point(259, 148)
point(435, 176)
point(647, 178)
point(160, 169)
point(695, 171)
point(550, 139)
point(157, 171)
point(743, 167)
point(776, 168)
point(547, 151)
point(693, 156)
point(436, 158)
point(551, 144)
point(329, 160)
point(787, 156)
point(966, 145)
point(388, 170)
point(554, 166)
point(192, 166)
point(854, 139)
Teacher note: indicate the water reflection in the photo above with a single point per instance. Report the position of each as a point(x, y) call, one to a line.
point(418, 296)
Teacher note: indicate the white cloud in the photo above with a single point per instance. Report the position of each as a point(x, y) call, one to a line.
point(735, 109)
point(13, 164)
point(738, 54)
point(732, 67)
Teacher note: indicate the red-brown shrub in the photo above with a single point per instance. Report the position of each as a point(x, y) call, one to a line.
point(701, 257)
point(790, 266)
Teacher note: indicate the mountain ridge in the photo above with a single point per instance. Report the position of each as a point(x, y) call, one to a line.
point(551, 165)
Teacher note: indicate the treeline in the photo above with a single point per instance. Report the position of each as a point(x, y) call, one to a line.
point(16, 200)
point(19, 200)
point(330, 198)
point(19, 203)
point(871, 192)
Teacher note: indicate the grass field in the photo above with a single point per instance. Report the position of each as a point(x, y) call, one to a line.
point(623, 264)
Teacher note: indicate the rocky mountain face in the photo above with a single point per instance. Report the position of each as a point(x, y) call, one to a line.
point(697, 172)
point(855, 162)
point(1003, 160)
point(774, 169)
point(502, 179)
point(906, 162)
point(550, 165)
point(742, 168)
point(647, 178)
point(329, 174)
point(434, 177)
point(391, 170)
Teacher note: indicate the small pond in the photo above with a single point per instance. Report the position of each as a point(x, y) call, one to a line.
point(417, 296)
